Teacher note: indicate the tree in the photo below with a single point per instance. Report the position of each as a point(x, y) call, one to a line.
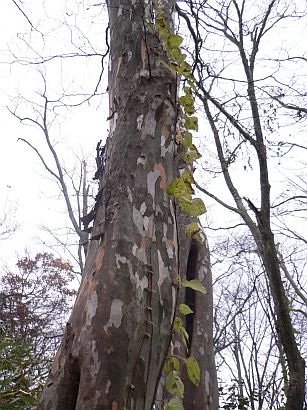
point(118, 336)
point(34, 305)
point(241, 118)
point(72, 184)
point(251, 367)
point(7, 224)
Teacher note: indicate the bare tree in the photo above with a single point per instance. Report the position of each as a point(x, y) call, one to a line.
point(240, 119)
point(250, 361)
point(73, 184)
point(8, 225)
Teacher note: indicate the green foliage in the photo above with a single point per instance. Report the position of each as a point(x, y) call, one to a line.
point(192, 229)
point(191, 123)
point(193, 370)
point(180, 330)
point(194, 284)
point(174, 385)
point(171, 364)
point(187, 101)
point(19, 382)
point(180, 188)
point(174, 404)
point(34, 304)
point(188, 178)
point(191, 154)
point(187, 140)
point(162, 25)
point(173, 41)
point(184, 69)
point(185, 309)
point(192, 207)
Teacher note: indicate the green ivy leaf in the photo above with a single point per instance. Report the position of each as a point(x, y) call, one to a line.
point(185, 309)
point(187, 140)
point(188, 177)
point(192, 229)
point(198, 237)
point(184, 69)
point(193, 370)
point(150, 27)
point(173, 41)
point(180, 189)
point(174, 385)
point(174, 404)
point(180, 330)
point(191, 154)
point(194, 284)
point(171, 364)
point(176, 55)
point(187, 102)
point(191, 123)
point(191, 82)
point(162, 25)
point(192, 207)
point(187, 90)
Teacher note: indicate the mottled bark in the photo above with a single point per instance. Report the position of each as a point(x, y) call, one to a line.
point(119, 332)
point(205, 395)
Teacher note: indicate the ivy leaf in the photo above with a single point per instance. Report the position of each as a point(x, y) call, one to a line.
point(194, 284)
point(174, 385)
point(171, 364)
point(193, 370)
point(191, 154)
point(187, 90)
point(188, 177)
point(185, 309)
point(192, 229)
point(162, 26)
point(180, 330)
point(174, 404)
point(199, 237)
point(176, 55)
point(187, 140)
point(191, 123)
point(187, 102)
point(151, 27)
point(191, 82)
point(180, 189)
point(173, 41)
point(184, 69)
point(192, 207)
point(198, 207)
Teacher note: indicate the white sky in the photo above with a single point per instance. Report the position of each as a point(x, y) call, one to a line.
point(77, 130)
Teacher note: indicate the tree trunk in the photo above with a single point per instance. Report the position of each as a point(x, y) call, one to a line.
point(118, 334)
point(296, 364)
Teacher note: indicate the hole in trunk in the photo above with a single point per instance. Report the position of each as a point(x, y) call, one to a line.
point(190, 293)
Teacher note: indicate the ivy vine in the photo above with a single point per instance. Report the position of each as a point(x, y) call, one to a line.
point(181, 189)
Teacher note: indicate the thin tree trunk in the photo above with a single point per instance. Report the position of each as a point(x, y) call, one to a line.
point(118, 334)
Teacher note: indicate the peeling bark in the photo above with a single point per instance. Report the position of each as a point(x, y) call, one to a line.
point(118, 334)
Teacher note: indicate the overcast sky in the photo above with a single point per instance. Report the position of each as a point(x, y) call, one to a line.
point(76, 131)
point(60, 29)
